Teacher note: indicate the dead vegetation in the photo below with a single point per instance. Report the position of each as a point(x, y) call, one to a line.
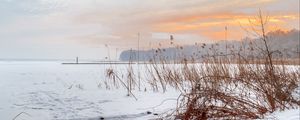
point(224, 86)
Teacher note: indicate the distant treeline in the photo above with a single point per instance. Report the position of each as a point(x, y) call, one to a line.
point(282, 43)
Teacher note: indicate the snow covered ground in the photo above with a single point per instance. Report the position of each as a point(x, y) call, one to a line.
point(50, 90)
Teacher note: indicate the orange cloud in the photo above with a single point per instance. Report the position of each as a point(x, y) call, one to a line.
point(212, 25)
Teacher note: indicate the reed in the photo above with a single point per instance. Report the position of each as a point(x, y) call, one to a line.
point(233, 85)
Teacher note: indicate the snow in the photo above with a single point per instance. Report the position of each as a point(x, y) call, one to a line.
point(293, 114)
point(50, 90)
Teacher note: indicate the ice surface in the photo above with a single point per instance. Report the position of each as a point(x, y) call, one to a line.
point(50, 90)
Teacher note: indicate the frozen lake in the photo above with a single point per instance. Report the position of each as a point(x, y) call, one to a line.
point(50, 90)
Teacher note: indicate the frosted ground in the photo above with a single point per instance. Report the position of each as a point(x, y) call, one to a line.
point(50, 90)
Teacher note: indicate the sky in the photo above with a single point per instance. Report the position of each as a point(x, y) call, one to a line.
point(95, 29)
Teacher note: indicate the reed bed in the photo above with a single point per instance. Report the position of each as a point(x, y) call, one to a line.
point(234, 85)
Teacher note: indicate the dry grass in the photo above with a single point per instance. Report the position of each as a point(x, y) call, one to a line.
point(240, 91)
point(229, 86)
point(217, 89)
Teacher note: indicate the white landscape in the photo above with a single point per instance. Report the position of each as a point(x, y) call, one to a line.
point(52, 91)
point(149, 59)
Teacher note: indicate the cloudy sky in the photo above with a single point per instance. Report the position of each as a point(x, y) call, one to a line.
point(63, 29)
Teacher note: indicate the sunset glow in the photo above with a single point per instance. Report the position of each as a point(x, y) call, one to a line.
point(212, 26)
point(70, 26)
